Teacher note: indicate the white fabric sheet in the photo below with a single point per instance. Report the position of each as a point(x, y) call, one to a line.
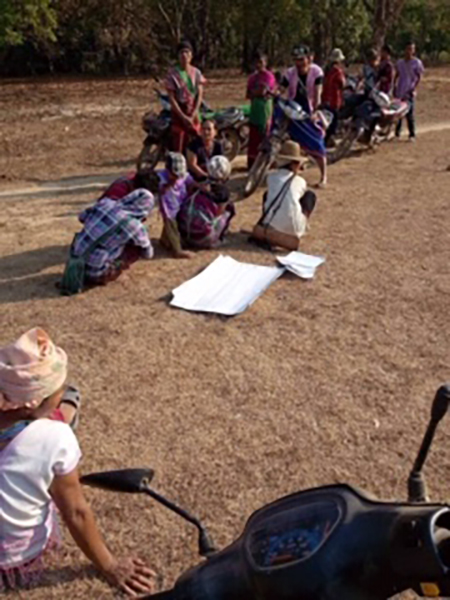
point(225, 287)
point(302, 265)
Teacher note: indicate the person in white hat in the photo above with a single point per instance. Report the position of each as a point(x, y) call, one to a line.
point(287, 205)
point(205, 217)
point(333, 90)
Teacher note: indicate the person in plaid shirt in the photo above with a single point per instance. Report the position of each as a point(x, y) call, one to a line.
point(128, 240)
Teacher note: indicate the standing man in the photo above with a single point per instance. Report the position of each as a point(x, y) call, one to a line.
point(409, 71)
point(184, 84)
point(304, 80)
point(304, 85)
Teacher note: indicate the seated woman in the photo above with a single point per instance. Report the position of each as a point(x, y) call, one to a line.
point(126, 184)
point(204, 218)
point(114, 236)
point(176, 185)
point(202, 149)
point(287, 205)
point(39, 456)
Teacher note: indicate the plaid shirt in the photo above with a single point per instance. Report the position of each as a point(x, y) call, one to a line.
point(105, 216)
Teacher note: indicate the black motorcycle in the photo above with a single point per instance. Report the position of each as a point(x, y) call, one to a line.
point(231, 123)
point(368, 118)
point(327, 543)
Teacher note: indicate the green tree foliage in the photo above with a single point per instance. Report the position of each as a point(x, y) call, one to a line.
point(27, 20)
point(125, 36)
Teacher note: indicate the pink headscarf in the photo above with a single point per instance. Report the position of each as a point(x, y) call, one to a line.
point(31, 369)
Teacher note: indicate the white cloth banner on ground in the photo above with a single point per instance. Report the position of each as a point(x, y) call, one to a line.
point(302, 265)
point(225, 287)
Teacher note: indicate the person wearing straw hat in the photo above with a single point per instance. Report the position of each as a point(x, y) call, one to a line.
point(39, 457)
point(287, 205)
point(333, 90)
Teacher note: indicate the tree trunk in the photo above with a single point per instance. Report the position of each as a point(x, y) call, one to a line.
point(385, 15)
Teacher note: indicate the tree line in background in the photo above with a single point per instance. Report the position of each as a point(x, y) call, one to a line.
point(139, 36)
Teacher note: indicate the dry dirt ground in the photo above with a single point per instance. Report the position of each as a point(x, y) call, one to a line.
point(318, 382)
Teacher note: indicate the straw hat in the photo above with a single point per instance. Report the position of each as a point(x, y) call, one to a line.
point(290, 152)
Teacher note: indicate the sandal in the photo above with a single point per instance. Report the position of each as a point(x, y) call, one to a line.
point(72, 396)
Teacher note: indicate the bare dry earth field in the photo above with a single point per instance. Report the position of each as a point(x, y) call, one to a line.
point(318, 382)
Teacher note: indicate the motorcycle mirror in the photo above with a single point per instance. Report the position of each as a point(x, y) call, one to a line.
point(441, 403)
point(137, 481)
point(130, 481)
point(416, 482)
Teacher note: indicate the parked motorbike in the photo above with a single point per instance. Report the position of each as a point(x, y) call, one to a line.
point(327, 543)
point(369, 120)
point(286, 115)
point(231, 123)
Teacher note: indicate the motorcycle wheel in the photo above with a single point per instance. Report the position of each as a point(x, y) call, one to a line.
point(149, 157)
point(257, 173)
point(231, 142)
point(344, 147)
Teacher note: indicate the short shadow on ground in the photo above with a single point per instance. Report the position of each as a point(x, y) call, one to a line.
point(31, 262)
point(21, 276)
point(22, 290)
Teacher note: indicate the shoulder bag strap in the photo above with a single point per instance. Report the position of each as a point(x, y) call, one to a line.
point(278, 198)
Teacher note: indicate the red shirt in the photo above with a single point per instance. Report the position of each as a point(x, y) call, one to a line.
point(120, 187)
point(333, 88)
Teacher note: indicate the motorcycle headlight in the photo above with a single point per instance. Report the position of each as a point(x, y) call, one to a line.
point(293, 111)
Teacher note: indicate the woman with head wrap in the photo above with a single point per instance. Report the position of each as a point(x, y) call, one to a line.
point(39, 456)
point(114, 235)
point(175, 187)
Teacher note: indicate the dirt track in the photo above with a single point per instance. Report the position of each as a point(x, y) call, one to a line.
point(318, 382)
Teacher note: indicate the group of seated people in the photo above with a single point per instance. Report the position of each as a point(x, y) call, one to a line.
point(195, 207)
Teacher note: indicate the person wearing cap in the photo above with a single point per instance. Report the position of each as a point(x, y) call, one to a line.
point(39, 458)
point(202, 149)
point(184, 84)
point(304, 83)
point(175, 186)
point(333, 90)
point(205, 217)
point(287, 205)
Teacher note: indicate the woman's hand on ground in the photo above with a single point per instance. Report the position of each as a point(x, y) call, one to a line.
point(132, 577)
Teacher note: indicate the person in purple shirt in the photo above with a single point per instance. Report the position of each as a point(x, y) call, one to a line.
point(409, 71)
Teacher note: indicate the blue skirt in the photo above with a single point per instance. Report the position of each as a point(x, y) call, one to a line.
point(310, 137)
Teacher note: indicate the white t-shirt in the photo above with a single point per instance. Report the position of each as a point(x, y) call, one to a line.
point(288, 218)
point(28, 465)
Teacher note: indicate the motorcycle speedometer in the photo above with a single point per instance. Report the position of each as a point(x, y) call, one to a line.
point(294, 534)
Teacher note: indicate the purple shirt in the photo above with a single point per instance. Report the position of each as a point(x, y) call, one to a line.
point(409, 74)
point(172, 199)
